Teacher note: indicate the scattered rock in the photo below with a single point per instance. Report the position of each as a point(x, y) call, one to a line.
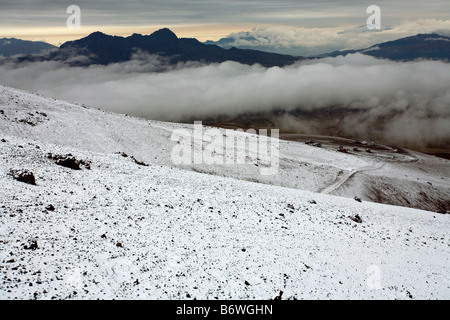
point(357, 199)
point(279, 296)
point(24, 176)
point(50, 207)
point(69, 161)
point(119, 245)
point(313, 202)
point(27, 121)
point(33, 245)
point(103, 236)
point(356, 218)
point(139, 162)
point(247, 283)
point(3, 140)
point(123, 154)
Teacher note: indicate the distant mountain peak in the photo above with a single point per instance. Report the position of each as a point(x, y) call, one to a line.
point(97, 34)
point(164, 34)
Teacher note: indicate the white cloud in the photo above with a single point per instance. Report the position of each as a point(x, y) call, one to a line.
point(409, 101)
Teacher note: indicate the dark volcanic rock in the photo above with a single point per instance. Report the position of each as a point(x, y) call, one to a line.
point(32, 245)
point(280, 295)
point(24, 176)
point(139, 162)
point(356, 218)
point(69, 161)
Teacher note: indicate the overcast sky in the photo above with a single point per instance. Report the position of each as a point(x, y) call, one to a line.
point(202, 19)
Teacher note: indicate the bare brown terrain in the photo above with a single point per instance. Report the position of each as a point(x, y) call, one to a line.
point(291, 135)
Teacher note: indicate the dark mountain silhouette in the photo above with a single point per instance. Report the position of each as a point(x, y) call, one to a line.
point(104, 49)
point(421, 46)
point(12, 46)
point(99, 48)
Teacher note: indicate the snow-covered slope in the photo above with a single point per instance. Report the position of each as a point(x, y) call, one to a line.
point(123, 230)
point(401, 178)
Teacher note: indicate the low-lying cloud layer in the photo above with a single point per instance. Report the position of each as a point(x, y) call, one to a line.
point(315, 41)
point(407, 103)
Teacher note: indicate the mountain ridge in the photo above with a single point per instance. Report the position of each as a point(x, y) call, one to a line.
point(106, 49)
point(421, 46)
point(12, 46)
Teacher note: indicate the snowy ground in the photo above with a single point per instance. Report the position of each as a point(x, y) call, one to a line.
point(122, 230)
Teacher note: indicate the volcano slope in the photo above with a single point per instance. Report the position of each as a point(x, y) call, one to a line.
point(121, 221)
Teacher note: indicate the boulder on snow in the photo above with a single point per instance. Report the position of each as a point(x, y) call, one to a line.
point(356, 218)
point(69, 161)
point(139, 162)
point(32, 245)
point(24, 176)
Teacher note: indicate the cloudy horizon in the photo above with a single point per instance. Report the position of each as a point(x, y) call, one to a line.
point(212, 20)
